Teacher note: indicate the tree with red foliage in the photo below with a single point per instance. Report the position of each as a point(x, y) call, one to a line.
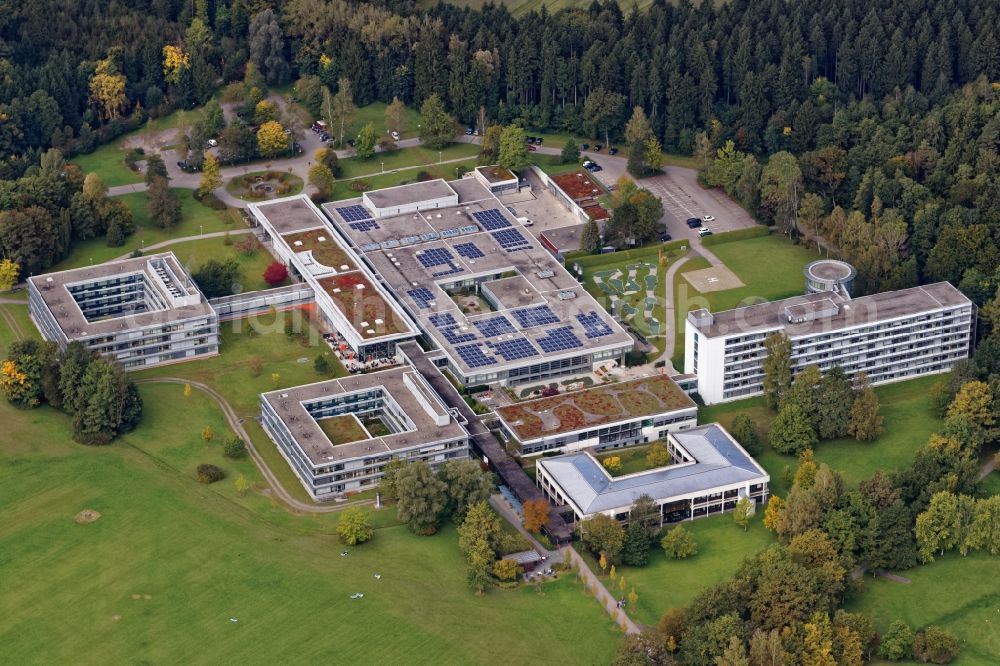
point(275, 273)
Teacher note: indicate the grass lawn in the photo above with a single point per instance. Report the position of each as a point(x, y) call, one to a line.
point(352, 167)
point(552, 164)
point(663, 583)
point(342, 189)
point(159, 575)
point(961, 594)
point(342, 429)
point(770, 267)
point(909, 422)
point(195, 253)
point(990, 485)
point(633, 459)
point(374, 113)
point(195, 219)
point(108, 162)
point(608, 263)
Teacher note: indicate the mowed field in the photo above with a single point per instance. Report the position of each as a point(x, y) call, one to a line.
point(175, 571)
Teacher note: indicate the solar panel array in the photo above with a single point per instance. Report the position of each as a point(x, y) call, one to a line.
point(494, 326)
point(559, 339)
point(442, 319)
point(593, 325)
point(422, 296)
point(511, 239)
point(438, 256)
point(538, 315)
point(354, 213)
point(364, 225)
point(454, 336)
point(515, 349)
point(491, 219)
point(473, 356)
point(469, 250)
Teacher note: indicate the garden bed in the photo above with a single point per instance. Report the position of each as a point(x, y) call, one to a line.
point(264, 185)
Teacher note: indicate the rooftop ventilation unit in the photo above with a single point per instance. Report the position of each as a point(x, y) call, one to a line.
point(566, 295)
point(544, 274)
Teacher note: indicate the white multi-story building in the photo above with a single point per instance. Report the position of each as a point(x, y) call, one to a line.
point(891, 336)
point(139, 312)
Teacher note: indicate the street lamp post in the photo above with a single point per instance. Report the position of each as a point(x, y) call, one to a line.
point(439, 157)
point(383, 167)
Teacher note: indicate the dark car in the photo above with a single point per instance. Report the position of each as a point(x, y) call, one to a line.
point(665, 237)
point(597, 148)
point(532, 148)
point(324, 137)
point(596, 168)
point(693, 222)
point(584, 146)
point(529, 139)
point(182, 164)
point(538, 140)
point(612, 151)
point(350, 142)
point(468, 131)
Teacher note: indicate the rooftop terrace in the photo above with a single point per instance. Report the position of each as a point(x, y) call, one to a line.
point(608, 403)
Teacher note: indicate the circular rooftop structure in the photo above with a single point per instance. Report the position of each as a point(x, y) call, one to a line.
point(829, 275)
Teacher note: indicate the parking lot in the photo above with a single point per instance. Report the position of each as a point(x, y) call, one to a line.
point(683, 198)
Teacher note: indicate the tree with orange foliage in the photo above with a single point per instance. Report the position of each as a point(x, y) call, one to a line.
point(536, 513)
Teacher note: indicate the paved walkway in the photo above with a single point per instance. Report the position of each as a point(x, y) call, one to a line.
point(184, 239)
point(236, 423)
point(670, 315)
point(606, 599)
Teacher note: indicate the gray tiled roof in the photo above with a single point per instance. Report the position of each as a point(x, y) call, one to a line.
point(719, 461)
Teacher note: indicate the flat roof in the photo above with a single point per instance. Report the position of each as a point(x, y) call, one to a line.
point(565, 239)
point(419, 255)
point(578, 185)
point(718, 461)
point(607, 403)
point(329, 266)
point(406, 387)
point(848, 312)
point(52, 287)
point(830, 269)
point(496, 174)
point(412, 193)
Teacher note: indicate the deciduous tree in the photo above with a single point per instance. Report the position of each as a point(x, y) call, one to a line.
point(536, 514)
point(792, 432)
point(865, 423)
point(211, 175)
point(513, 149)
point(354, 526)
point(777, 367)
point(367, 138)
point(603, 534)
point(422, 497)
point(271, 139)
point(467, 484)
point(678, 543)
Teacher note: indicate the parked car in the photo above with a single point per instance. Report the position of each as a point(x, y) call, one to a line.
point(597, 148)
point(538, 140)
point(612, 151)
point(664, 237)
point(324, 137)
point(693, 222)
point(594, 168)
point(529, 139)
point(394, 135)
point(532, 148)
point(350, 142)
point(704, 231)
point(468, 131)
point(584, 146)
point(708, 218)
point(212, 143)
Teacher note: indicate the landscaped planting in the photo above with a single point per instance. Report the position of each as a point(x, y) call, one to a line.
point(367, 311)
point(325, 251)
point(594, 407)
point(342, 429)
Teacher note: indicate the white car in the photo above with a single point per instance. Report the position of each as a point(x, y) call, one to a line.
point(395, 136)
point(213, 143)
point(708, 218)
point(704, 231)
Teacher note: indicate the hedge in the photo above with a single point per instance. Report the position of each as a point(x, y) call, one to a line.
point(755, 231)
point(589, 260)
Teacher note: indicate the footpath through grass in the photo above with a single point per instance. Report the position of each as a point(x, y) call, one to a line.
point(195, 219)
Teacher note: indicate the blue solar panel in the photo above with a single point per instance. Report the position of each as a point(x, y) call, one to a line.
point(512, 350)
point(593, 325)
point(538, 315)
point(474, 357)
point(436, 256)
point(491, 219)
point(494, 326)
point(469, 250)
point(364, 225)
point(511, 239)
point(422, 296)
point(441, 319)
point(454, 336)
point(354, 213)
point(559, 339)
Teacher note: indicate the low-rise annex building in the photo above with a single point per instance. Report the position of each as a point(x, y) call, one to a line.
point(139, 312)
point(710, 472)
point(891, 336)
point(338, 435)
point(604, 417)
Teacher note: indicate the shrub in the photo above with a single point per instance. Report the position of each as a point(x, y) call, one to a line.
point(612, 463)
point(359, 185)
point(897, 642)
point(247, 245)
point(211, 201)
point(256, 366)
point(275, 273)
point(234, 447)
point(354, 527)
point(678, 544)
point(936, 645)
point(207, 433)
point(506, 570)
point(208, 473)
